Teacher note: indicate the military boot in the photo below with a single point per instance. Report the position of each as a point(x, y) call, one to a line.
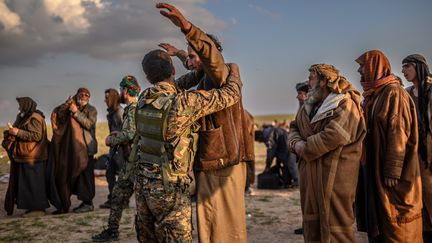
point(106, 235)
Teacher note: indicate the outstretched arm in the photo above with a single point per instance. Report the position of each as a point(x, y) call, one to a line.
point(212, 59)
point(199, 103)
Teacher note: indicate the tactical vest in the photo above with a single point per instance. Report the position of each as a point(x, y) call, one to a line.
point(174, 158)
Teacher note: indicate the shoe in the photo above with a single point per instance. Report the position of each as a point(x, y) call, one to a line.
point(58, 211)
point(106, 204)
point(106, 235)
point(298, 231)
point(83, 208)
point(249, 192)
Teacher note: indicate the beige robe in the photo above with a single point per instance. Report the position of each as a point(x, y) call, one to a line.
point(329, 166)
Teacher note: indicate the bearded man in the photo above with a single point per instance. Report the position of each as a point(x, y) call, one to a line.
point(124, 188)
point(73, 146)
point(116, 160)
point(389, 199)
point(327, 136)
point(416, 71)
point(219, 166)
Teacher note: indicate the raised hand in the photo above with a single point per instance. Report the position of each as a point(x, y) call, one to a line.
point(234, 70)
point(73, 107)
point(170, 49)
point(174, 15)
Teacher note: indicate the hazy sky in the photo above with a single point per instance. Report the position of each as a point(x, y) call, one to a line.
point(50, 48)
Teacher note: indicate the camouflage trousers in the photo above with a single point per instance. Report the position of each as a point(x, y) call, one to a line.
point(163, 215)
point(122, 192)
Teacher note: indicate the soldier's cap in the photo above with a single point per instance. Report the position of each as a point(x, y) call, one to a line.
point(302, 86)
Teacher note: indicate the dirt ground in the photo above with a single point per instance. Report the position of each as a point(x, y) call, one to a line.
point(272, 216)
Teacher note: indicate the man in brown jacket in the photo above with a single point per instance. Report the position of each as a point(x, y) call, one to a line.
point(389, 198)
point(327, 137)
point(28, 175)
point(220, 174)
point(73, 146)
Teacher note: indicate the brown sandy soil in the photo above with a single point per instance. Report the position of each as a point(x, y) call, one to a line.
point(272, 216)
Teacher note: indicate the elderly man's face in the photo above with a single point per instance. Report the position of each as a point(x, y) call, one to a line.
point(83, 98)
point(315, 93)
point(194, 61)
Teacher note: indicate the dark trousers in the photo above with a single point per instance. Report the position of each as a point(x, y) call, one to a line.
point(250, 173)
point(292, 172)
point(116, 162)
point(84, 184)
point(287, 172)
point(121, 194)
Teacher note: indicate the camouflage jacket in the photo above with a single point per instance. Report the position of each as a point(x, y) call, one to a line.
point(189, 106)
point(127, 133)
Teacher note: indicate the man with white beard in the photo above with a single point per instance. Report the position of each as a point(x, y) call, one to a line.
point(327, 137)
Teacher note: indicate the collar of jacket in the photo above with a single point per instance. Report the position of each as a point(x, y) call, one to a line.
point(330, 103)
point(161, 89)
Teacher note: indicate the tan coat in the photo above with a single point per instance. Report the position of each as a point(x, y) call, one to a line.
point(329, 165)
point(426, 172)
point(391, 151)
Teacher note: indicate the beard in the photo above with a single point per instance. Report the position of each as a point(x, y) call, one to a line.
point(314, 96)
point(122, 99)
point(81, 103)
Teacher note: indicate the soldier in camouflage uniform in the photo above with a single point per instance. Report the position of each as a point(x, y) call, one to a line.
point(124, 188)
point(166, 144)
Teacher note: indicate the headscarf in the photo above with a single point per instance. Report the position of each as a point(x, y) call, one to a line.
point(28, 106)
point(335, 82)
point(376, 73)
point(376, 66)
point(131, 84)
point(423, 73)
point(113, 99)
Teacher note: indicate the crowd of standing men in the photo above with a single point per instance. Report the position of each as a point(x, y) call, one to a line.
point(367, 160)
